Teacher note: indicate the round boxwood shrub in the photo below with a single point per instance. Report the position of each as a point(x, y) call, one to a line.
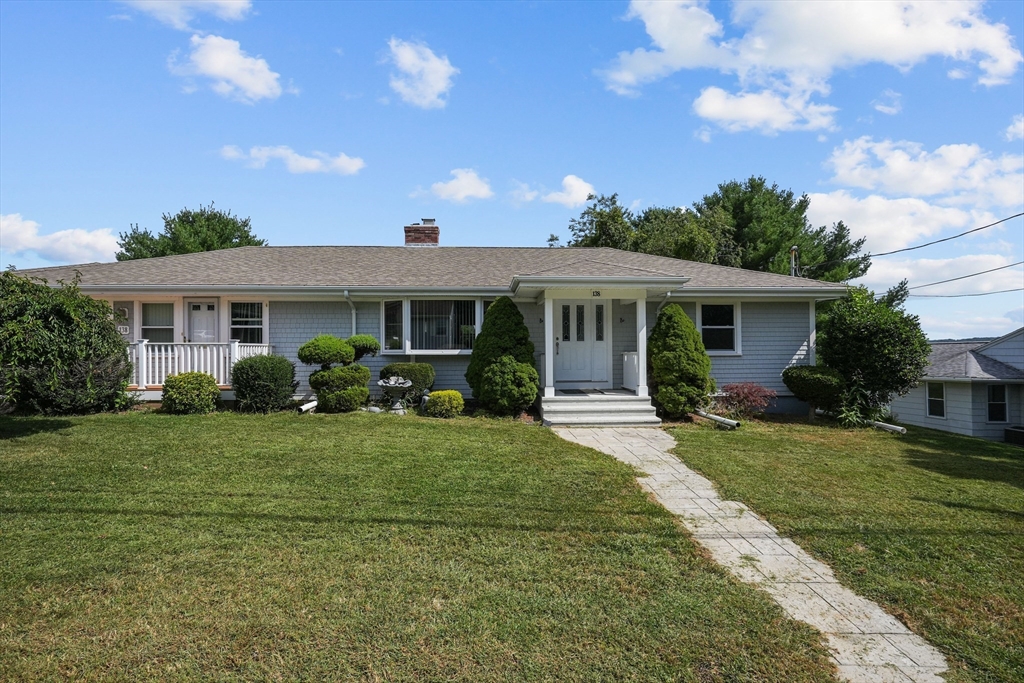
point(342, 401)
point(508, 386)
point(817, 385)
point(447, 403)
point(420, 374)
point(263, 383)
point(326, 350)
point(503, 333)
point(364, 345)
point(190, 393)
point(679, 369)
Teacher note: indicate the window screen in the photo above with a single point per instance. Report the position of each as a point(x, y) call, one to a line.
point(718, 327)
point(936, 399)
point(158, 323)
point(997, 403)
point(442, 325)
point(394, 336)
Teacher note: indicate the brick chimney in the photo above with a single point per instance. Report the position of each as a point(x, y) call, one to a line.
point(425, 235)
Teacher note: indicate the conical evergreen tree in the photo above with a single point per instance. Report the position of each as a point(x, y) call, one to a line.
point(503, 333)
point(679, 370)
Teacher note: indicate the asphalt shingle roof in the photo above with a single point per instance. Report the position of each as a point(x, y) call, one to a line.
point(456, 267)
point(960, 360)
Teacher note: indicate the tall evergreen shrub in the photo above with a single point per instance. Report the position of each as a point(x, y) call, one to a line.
point(679, 370)
point(503, 333)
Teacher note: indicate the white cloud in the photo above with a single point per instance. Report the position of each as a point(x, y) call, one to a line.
point(179, 13)
point(423, 78)
point(885, 272)
point(1015, 131)
point(522, 193)
point(294, 162)
point(575, 191)
point(235, 74)
point(889, 103)
point(890, 223)
point(961, 174)
point(787, 51)
point(767, 110)
point(465, 185)
point(20, 236)
point(703, 134)
point(964, 321)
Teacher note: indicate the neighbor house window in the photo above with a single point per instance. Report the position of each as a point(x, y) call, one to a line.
point(936, 399)
point(718, 327)
point(442, 325)
point(247, 322)
point(394, 334)
point(997, 403)
point(158, 323)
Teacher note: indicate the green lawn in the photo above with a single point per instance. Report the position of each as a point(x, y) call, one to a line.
point(367, 547)
point(930, 524)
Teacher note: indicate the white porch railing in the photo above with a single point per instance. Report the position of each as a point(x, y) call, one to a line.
point(153, 363)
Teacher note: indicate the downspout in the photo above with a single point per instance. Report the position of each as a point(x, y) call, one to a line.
point(668, 295)
point(353, 307)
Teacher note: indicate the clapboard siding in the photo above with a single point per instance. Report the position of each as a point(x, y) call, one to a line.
point(912, 409)
point(293, 323)
point(1009, 350)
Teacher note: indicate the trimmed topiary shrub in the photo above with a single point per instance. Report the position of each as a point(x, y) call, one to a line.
point(263, 383)
point(679, 370)
point(420, 374)
point(343, 401)
point(818, 386)
point(447, 403)
point(59, 349)
point(336, 379)
point(508, 386)
point(326, 350)
point(745, 399)
point(364, 345)
point(503, 333)
point(190, 393)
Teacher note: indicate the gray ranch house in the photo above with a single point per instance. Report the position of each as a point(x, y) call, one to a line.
point(589, 311)
point(974, 388)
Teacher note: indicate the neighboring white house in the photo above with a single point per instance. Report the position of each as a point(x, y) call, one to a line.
point(589, 311)
point(974, 388)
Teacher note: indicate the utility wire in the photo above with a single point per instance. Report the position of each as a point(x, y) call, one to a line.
point(964, 277)
point(920, 246)
point(957, 296)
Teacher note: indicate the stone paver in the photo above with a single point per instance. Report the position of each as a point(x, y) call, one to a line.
point(867, 644)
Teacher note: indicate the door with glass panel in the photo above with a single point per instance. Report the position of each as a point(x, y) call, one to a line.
point(581, 344)
point(202, 321)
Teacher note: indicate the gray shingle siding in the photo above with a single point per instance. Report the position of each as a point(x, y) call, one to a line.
point(293, 323)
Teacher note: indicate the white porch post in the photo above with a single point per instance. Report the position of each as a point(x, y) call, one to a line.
point(141, 364)
point(641, 346)
point(232, 359)
point(549, 347)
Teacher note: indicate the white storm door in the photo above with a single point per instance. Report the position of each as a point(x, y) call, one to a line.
point(574, 343)
point(202, 322)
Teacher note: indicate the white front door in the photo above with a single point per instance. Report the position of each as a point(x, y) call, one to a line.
point(202, 321)
point(582, 343)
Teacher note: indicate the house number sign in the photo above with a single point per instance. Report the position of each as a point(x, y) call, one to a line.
point(122, 329)
point(596, 292)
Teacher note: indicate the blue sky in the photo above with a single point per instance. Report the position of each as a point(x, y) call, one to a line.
point(338, 123)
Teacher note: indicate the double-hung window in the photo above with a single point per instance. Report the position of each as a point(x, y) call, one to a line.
point(247, 322)
point(936, 399)
point(158, 323)
point(718, 327)
point(997, 403)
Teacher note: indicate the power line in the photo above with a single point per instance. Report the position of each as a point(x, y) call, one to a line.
point(957, 296)
point(964, 277)
point(920, 246)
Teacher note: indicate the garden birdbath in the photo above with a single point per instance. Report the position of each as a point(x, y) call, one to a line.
point(395, 389)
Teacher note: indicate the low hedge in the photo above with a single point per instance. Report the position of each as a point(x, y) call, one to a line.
point(190, 393)
point(420, 374)
point(263, 383)
point(508, 386)
point(817, 385)
point(447, 403)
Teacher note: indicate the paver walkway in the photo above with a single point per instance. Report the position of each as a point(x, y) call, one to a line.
point(867, 643)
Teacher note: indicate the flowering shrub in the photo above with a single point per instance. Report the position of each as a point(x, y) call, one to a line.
point(745, 399)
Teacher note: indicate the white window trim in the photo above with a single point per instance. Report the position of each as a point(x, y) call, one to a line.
point(945, 412)
point(225, 316)
point(1006, 402)
point(737, 327)
point(407, 349)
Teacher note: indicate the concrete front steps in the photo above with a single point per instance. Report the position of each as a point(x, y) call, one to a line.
point(598, 410)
